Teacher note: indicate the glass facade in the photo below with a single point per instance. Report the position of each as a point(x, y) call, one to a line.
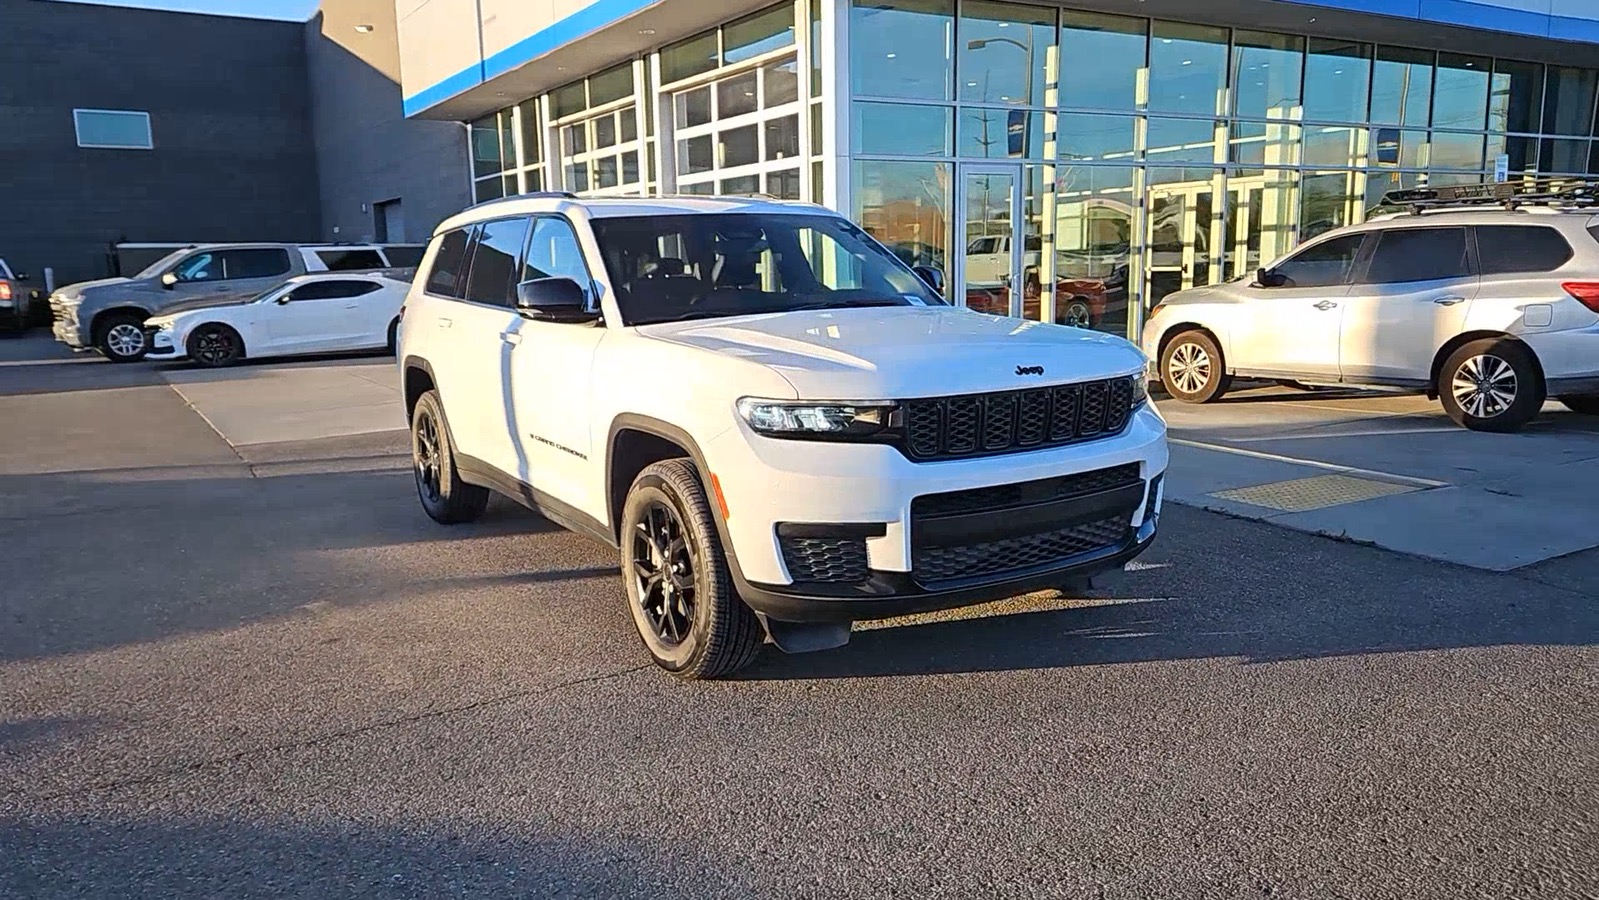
point(1184, 155)
point(1059, 164)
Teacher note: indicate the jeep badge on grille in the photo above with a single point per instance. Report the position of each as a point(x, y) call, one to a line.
point(1029, 370)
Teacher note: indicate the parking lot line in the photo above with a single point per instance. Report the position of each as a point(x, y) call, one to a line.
point(1312, 463)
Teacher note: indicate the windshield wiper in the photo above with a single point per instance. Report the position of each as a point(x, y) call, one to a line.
point(847, 304)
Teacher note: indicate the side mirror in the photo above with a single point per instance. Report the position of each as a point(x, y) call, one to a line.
point(1270, 279)
point(169, 279)
point(933, 277)
point(554, 300)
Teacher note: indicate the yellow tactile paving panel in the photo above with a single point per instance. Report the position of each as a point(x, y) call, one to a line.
point(1318, 492)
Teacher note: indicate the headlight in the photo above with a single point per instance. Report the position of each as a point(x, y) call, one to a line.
point(163, 326)
point(1140, 389)
point(802, 419)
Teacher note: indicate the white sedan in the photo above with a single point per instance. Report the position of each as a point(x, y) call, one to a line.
point(325, 313)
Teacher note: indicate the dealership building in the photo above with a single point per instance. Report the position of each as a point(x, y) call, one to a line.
point(1098, 154)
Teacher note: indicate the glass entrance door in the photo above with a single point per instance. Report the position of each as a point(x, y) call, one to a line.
point(989, 208)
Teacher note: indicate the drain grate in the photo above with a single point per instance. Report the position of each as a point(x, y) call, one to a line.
point(1319, 492)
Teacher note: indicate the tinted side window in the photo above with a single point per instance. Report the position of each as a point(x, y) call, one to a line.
point(350, 260)
point(262, 263)
point(332, 290)
point(204, 266)
point(1326, 264)
point(494, 262)
point(1419, 254)
point(404, 257)
point(447, 264)
point(553, 251)
point(1503, 249)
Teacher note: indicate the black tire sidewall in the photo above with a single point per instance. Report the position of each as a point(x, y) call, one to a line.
point(684, 656)
point(1214, 387)
point(1529, 386)
point(458, 502)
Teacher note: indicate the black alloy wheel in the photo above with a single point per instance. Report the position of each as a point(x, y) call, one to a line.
point(214, 346)
point(428, 458)
point(663, 573)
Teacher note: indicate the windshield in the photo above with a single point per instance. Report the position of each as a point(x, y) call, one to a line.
point(703, 266)
point(162, 264)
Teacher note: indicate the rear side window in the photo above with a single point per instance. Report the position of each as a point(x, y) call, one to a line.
point(494, 262)
point(333, 290)
point(1419, 254)
point(1508, 249)
point(445, 275)
point(350, 260)
point(404, 257)
point(260, 263)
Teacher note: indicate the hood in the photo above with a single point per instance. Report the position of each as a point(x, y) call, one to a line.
point(76, 289)
point(896, 353)
point(122, 290)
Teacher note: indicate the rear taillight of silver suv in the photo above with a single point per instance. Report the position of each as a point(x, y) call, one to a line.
point(1586, 293)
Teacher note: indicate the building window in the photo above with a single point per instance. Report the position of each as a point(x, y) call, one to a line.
point(741, 132)
point(113, 129)
point(597, 128)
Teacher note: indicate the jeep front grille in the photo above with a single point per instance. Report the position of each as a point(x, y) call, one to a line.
point(1011, 421)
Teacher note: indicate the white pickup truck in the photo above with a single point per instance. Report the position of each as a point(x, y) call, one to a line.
point(779, 426)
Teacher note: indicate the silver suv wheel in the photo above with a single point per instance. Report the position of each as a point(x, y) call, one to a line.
point(125, 339)
point(1484, 386)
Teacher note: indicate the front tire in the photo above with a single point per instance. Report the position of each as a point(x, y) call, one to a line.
point(1491, 385)
point(121, 338)
point(445, 497)
point(679, 589)
point(1193, 370)
point(215, 346)
point(1586, 404)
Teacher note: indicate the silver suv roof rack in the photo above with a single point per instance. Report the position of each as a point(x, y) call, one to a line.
point(1570, 193)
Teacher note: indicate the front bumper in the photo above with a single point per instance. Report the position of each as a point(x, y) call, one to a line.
point(775, 485)
point(65, 324)
point(163, 345)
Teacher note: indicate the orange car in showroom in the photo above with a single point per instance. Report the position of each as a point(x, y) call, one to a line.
point(1078, 301)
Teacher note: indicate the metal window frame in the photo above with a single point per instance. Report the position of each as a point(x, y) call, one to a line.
point(77, 128)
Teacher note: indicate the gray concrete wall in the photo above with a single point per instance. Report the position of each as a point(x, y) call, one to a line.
point(367, 151)
point(230, 113)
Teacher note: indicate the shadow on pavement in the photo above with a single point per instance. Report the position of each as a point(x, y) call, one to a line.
point(107, 857)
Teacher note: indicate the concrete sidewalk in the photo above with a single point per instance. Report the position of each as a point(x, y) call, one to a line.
point(270, 403)
point(1394, 472)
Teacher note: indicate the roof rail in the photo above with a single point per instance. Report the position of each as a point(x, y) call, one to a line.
point(1571, 193)
point(530, 195)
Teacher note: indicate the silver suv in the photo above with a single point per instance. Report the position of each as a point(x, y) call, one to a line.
point(1485, 297)
point(108, 315)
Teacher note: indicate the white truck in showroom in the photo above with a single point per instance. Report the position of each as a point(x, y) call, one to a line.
point(780, 427)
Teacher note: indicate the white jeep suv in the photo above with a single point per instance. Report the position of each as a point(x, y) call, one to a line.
point(780, 427)
point(1483, 296)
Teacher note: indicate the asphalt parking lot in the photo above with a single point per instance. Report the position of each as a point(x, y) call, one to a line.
point(236, 660)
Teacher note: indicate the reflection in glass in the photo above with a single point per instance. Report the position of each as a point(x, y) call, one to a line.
point(1096, 137)
point(781, 82)
point(1563, 157)
point(1265, 143)
point(485, 146)
point(1261, 217)
point(532, 132)
point(1000, 133)
point(879, 29)
point(1188, 68)
point(906, 206)
point(1515, 101)
point(762, 32)
point(1522, 151)
point(611, 85)
point(696, 154)
point(688, 58)
point(736, 96)
point(1404, 149)
point(1184, 234)
point(1267, 73)
point(1004, 52)
point(1569, 103)
point(1460, 94)
point(740, 146)
point(629, 123)
point(604, 132)
point(1337, 81)
point(741, 186)
point(1095, 209)
point(1175, 141)
point(1456, 151)
point(782, 138)
point(1336, 146)
point(784, 185)
point(989, 234)
point(564, 101)
point(901, 129)
point(1101, 57)
point(1401, 86)
point(692, 107)
point(606, 174)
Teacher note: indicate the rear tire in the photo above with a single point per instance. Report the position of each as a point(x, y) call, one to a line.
point(1587, 404)
point(674, 569)
point(1193, 370)
point(445, 497)
point(120, 338)
point(1491, 385)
